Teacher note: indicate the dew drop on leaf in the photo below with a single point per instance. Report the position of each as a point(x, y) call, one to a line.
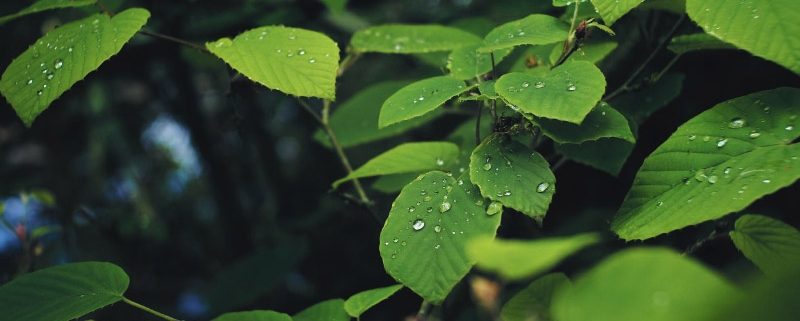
point(418, 224)
point(525, 84)
point(58, 64)
point(494, 208)
point(789, 127)
point(754, 134)
point(437, 228)
point(737, 122)
point(542, 187)
point(722, 142)
point(487, 166)
point(571, 87)
point(539, 84)
point(445, 207)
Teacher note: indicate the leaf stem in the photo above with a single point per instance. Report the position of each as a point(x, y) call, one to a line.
point(171, 38)
point(347, 62)
point(146, 309)
point(423, 310)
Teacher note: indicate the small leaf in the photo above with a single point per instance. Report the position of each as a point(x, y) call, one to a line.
point(568, 92)
point(772, 245)
point(330, 310)
point(43, 5)
point(602, 122)
point(423, 242)
point(651, 284)
point(605, 28)
point(716, 163)
point(755, 26)
point(605, 154)
point(536, 29)
point(512, 174)
point(253, 316)
point(405, 158)
point(335, 6)
point(698, 41)
point(404, 39)
point(591, 52)
point(419, 98)
point(363, 301)
point(63, 292)
point(533, 302)
point(515, 260)
point(611, 10)
point(295, 61)
point(63, 57)
point(564, 3)
point(467, 63)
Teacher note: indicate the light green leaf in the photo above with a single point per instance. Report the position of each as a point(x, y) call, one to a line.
point(419, 98)
point(363, 301)
point(768, 298)
point(533, 302)
point(63, 292)
point(764, 28)
point(393, 183)
point(406, 158)
point(698, 41)
point(487, 91)
point(591, 52)
point(254, 316)
point(564, 3)
point(605, 154)
point(355, 122)
point(568, 92)
point(772, 245)
point(611, 10)
point(423, 242)
point(467, 63)
point(63, 57)
point(716, 163)
point(536, 29)
point(651, 284)
point(295, 61)
point(639, 105)
point(602, 122)
point(515, 259)
point(335, 6)
point(512, 174)
point(330, 310)
point(404, 39)
point(43, 5)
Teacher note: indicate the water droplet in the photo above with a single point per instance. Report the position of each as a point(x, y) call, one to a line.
point(36, 55)
point(542, 187)
point(445, 207)
point(539, 84)
point(721, 143)
point(767, 181)
point(39, 92)
point(403, 243)
point(789, 127)
point(437, 228)
point(418, 224)
point(423, 192)
point(427, 198)
point(479, 203)
point(429, 209)
point(737, 122)
point(395, 240)
point(411, 209)
point(706, 138)
point(58, 63)
point(45, 71)
point(70, 49)
point(494, 208)
point(292, 37)
point(460, 182)
point(50, 76)
point(727, 170)
point(487, 166)
point(397, 47)
point(754, 134)
point(436, 247)
point(692, 137)
point(312, 60)
point(30, 81)
point(712, 179)
point(301, 51)
point(659, 203)
point(525, 84)
point(289, 54)
point(571, 87)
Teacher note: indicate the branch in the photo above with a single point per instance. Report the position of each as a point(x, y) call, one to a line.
point(149, 310)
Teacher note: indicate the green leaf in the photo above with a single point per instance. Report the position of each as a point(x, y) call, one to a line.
point(605, 154)
point(63, 57)
point(698, 41)
point(254, 316)
point(533, 302)
point(406, 158)
point(63, 292)
point(515, 260)
point(355, 122)
point(639, 105)
point(564, 3)
point(602, 122)
point(404, 39)
point(568, 92)
point(591, 52)
point(769, 298)
point(330, 310)
point(536, 29)
point(611, 10)
point(764, 28)
point(363, 301)
point(295, 61)
point(393, 183)
point(716, 163)
point(487, 91)
point(467, 63)
point(651, 284)
point(419, 98)
point(423, 242)
point(772, 245)
point(512, 174)
point(43, 5)
point(335, 6)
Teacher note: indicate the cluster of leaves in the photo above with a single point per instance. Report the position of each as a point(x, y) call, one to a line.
point(452, 194)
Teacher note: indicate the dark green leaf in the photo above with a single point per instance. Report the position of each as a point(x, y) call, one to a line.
point(772, 245)
point(698, 41)
point(467, 63)
point(639, 105)
point(254, 316)
point(335, 6)
point(43, 5)
point(536, 29)
point(591, 52)
point(406, 158)
point(411, 39)
point(602, 122)
point(419, 98)
point(611, 10)
point(533, 302)
point(330, 310)
point(363, 301)
point(606, 154)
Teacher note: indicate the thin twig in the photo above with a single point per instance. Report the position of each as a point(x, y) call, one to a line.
point(347, 62)
point(146, 309)
point(171, 38)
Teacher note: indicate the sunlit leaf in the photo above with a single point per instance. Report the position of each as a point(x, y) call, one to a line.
point(406, 158)
point(400, 38)
point(253, 316)
point(43, 5)
point(533, 302)
point(363, 301)
point(295, 61)
point(419, 98)
point(467, 63)
point(330, 310)
point(716, 163)
point(536, 29)
point(698, 41)
point(772, 245)
point(611, 10)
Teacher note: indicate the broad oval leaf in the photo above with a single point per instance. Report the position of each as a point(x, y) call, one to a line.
point(423, 242)
point(295, 61)
point(63, 292)
point(716, 163)
point(606, 154)
point(515, 259)
point(43, 5)
point(765, 28)
point(567, 93)
point(652, 284)
point(512, 174)
point(536, 29)
point(533, 302)
point(602, 122)
point(363, 301)
point(401, 38)
point(467, 63)
point(698, 41)
point(63, 57)
point(330, 310)
point(772, 245)
point(406, 158)
point(419, 98)
point(254, 316)
point(611, 10)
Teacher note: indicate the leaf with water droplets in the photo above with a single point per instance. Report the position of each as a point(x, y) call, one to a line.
point(467, 63)
point(406, 158)
point(535, 29)
point(256, 315)
point(63, 292)
point(419, 98)
point(602, 122)
point(640, 104)
point(329, 310)
point(63, 57)
point(567, 93)
point(404, 39)
point(605, 154)
point(755, 26)
point(43, 5)
point(709, 167)
point(431, 260)
point(772, 245)
point(515, 259)
point(363, 301)
point(533, 302)
point(510, 173)
point(654, 284)
point(295, 61)
point(611, 10)
point(698, 41)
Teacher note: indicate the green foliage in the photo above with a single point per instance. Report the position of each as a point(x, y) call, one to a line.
point(611, 10)
point(772, 245)
point(533, 302)
point(419, 98)
point(535, 29)
point(43, 5)
point(254, 316)
point(331, 310)
point(406, 158)
point(406, 39)
point(361, 302)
